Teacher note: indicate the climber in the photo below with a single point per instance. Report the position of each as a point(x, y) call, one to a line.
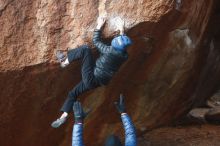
point(93, 74)
point(112, 140)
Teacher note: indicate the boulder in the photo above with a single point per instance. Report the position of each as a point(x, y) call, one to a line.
point(213, 116)
point(161, 80)
point(214, 101)
point(198, 115)
point(205, 135)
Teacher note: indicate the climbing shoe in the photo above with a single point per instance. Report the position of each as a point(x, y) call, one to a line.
point(58, 122)
point(60, 56)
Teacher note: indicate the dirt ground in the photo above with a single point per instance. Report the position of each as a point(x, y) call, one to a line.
point(205, 135)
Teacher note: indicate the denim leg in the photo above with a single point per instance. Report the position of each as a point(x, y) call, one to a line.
point(71, 98)
point(88, 64)
point(87, 69)
point(77, 53)
point(88, 79)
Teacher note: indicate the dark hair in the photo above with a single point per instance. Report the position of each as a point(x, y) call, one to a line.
point(113, 140)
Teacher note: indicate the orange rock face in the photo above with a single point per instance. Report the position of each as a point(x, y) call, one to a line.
point(162, 79)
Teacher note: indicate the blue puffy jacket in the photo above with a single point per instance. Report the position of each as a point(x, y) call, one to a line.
point(130, 134)
point(77, 137)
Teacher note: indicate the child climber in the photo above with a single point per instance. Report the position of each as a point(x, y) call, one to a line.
point(94, 73)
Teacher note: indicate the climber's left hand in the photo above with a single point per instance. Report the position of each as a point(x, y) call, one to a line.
point(100, 22)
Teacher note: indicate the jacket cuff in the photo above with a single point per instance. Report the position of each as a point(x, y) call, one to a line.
point(97, 30)
point(123, 113)
point(79, 123)
point(78, 120)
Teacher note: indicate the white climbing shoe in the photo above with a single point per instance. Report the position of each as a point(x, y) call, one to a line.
point(58, 122)
point(60, 56)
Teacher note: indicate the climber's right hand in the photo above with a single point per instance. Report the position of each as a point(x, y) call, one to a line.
point(121, 27)
point(100, 22)
point(120, 105)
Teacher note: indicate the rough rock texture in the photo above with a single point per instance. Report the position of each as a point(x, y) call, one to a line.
point(198, 115)
point(213, 116)
point(161, 80)
point(214, 100)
